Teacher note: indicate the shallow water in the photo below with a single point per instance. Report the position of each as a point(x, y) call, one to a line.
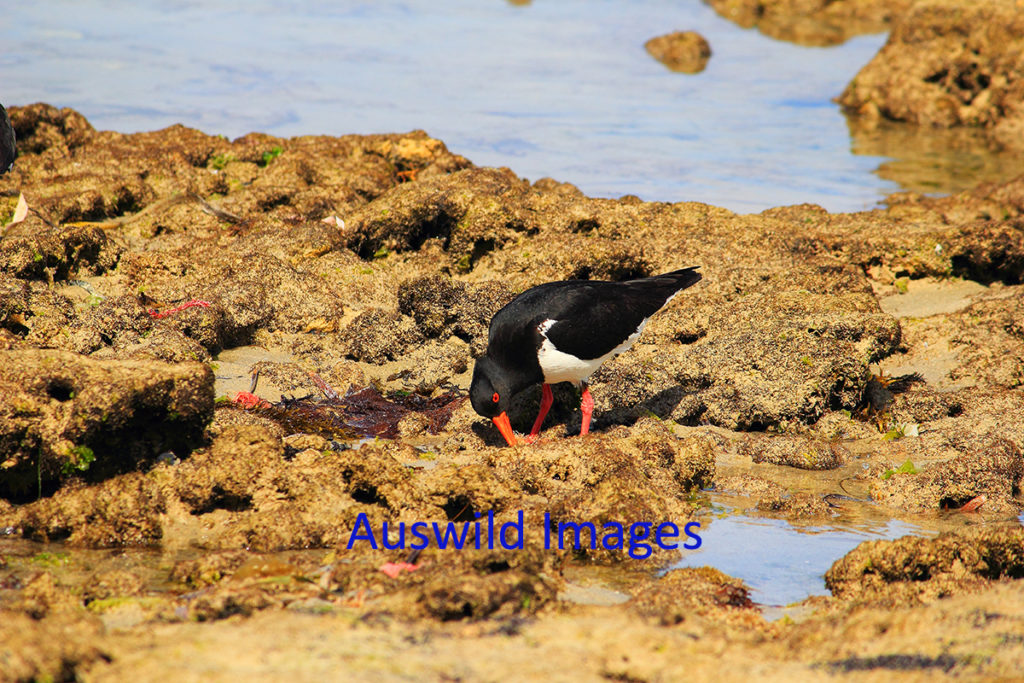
point(783, 563)
point(780, 562)
point(549, 89)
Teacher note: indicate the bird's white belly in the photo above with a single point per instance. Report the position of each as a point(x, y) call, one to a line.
point(558, 366)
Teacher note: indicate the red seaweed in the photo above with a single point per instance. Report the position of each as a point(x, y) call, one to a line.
point(360, 412)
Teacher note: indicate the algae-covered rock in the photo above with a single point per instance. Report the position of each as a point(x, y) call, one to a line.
point(921, 569)
point(125, 510)
point(43, 596)
point(949, 63)
point(469, 213)
point(40, 127)
point(65, 414)
point(490, 584)
point(443, 307)
point(208, 569)
point(376, 336)
point(802, 452)
point(812, 22)
point(772, 499)
point(683, 594)
point(989, 338)
point(641, 474)
point(52, 649)
point(431, 366)
point(995, 471)
point(34, 250)
point(761, 361)
point(379, 260)
point(115, 583)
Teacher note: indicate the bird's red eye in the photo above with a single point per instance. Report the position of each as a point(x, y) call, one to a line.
point(495, 397)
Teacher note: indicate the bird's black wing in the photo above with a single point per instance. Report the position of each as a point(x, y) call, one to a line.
point(593, 317)
point(600, 316)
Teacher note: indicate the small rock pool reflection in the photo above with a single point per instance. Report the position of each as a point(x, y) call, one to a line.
point(781, 563)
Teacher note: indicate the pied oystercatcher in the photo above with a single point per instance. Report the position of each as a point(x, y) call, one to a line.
point(7, 151)
point(563, 332)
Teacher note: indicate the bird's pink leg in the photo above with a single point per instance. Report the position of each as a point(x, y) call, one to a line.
point(546, 399)
point(587, 408)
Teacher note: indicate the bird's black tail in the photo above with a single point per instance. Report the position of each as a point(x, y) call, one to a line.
point(676, 280)
point(652, 293)
point(684, 277)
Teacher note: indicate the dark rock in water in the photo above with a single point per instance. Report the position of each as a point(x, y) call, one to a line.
point(7, 149)
point(685, 51)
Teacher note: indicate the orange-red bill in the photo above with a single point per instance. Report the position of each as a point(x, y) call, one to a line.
point(502, 423)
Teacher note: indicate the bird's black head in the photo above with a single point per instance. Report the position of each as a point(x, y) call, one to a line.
point(488, 393)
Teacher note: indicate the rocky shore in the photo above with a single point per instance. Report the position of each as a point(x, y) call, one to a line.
point(157, 524)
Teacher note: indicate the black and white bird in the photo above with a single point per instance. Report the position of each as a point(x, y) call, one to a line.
point(563, 332)
point(7, 149)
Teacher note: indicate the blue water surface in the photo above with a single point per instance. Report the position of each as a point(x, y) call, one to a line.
point(782, 563)
point(560, 89)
